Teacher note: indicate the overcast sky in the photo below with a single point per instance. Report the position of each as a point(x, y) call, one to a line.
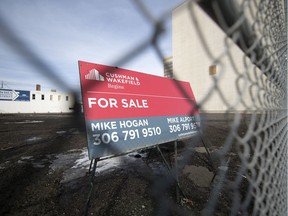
point(60, 33)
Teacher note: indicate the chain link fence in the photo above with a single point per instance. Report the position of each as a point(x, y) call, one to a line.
point(250, 168)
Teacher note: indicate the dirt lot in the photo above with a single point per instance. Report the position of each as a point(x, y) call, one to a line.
point(44, 171)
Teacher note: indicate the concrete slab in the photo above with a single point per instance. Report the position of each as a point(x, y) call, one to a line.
point(201, 176)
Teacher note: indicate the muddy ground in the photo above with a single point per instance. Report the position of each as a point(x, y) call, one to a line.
point(44, 171)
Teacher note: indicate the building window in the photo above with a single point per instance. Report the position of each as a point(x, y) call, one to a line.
point(59, 97)
point(33, 96)
point(51, 97)
point(67, 98)
point(168, 67)
point(42, 97)
point(212, 70)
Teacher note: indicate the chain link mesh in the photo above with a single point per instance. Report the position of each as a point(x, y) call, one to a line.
point(259, 28)
point(258, 184)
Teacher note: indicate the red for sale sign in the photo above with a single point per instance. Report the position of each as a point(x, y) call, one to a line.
point(127, 110)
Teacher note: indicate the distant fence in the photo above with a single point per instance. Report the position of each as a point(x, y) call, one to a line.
point(259, 29)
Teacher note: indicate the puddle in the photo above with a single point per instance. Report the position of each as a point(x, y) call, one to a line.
point(72, 131)
point(26, 157)
point(25, 122)
point(4, 165)
point(60, 132)
point(33, 139)
point(75, 163)
point(64, 161)
point(109, 164)
point(81, 165)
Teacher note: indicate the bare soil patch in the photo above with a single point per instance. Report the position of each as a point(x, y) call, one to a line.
point(38, 153)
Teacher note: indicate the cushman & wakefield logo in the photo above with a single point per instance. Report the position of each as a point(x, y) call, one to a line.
point(94, 75)
point(114, 78)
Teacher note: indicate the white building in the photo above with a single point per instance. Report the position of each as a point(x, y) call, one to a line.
point(23, 101)
point(221, 75)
